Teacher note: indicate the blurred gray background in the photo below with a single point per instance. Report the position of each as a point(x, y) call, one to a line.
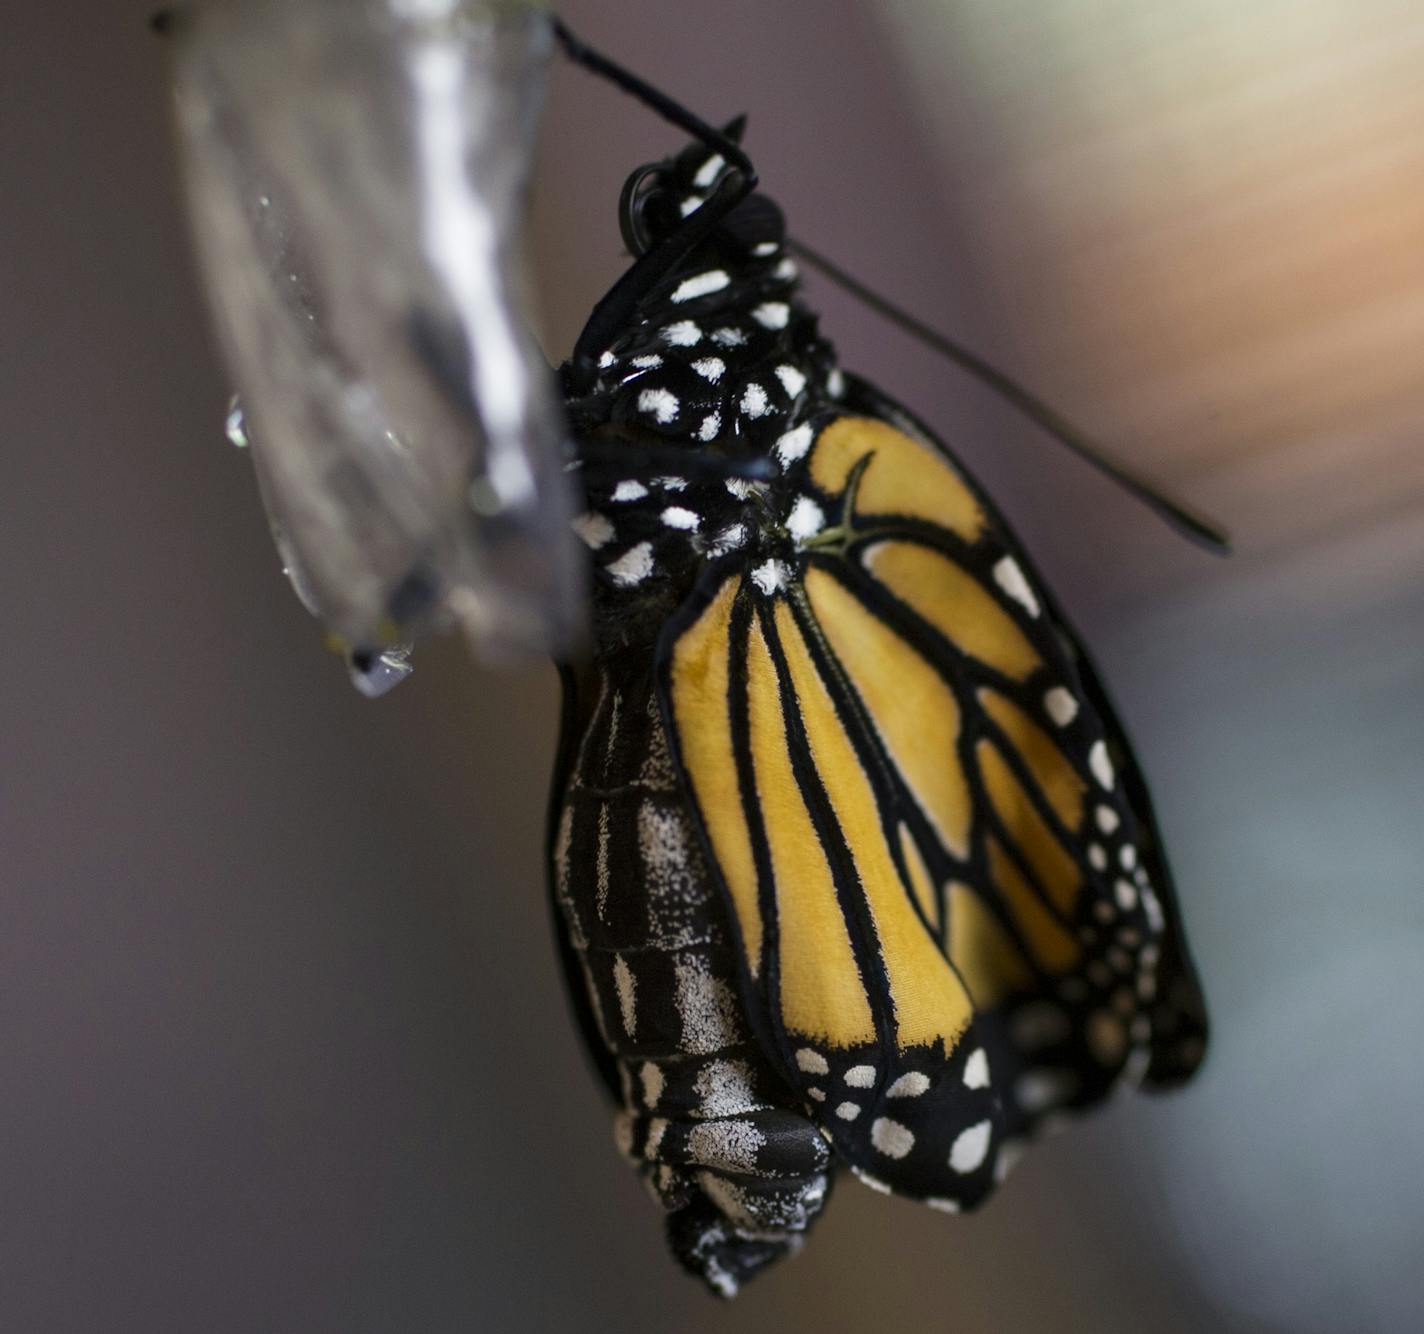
point(282, 1038)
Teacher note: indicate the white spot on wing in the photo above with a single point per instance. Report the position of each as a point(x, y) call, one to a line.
point(711, 424)
point(811, 1062)
point(772, 314)
point(1101, 765)
point(710, 368)
point(764, 248)
point(652, 1081)
point(729, 337)
point(890, 1137)
point(648, 363)
point(629, 491)
point(1060, 705)
point(1153, 908)
point(1107, 819)
point(976, 1070)
point(848, 1111)
point(911, 1085)
point(860, 1076)
point(1010, 577)
point(633, 566)
point(874, 1183)
point(968, 1150)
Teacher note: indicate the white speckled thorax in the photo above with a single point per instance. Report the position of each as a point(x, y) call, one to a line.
point(724, 362)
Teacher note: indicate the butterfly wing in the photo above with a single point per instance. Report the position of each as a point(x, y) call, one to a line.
point(851, 994)
point(934, 843)
point(1170, 992)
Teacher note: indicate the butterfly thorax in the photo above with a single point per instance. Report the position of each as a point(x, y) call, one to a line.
point(722, 364)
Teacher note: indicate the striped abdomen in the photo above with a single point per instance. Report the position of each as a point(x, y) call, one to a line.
point(705, 1117)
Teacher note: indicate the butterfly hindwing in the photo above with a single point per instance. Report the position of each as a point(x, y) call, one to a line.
point(1128, 891)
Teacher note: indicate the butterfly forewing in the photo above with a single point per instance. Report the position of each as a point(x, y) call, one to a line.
point(870, 1020)
point(948, 929)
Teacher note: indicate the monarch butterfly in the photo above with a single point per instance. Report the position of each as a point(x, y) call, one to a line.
point(853, 862)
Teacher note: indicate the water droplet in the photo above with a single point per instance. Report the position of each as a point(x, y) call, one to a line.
point(374, 672)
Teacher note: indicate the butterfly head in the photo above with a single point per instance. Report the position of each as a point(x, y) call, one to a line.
point(659, 195)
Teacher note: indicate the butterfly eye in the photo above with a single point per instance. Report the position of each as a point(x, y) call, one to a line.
point(643, 208)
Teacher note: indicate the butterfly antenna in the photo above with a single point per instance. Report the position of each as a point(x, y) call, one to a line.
point(1189, 522)
point(617, 307)
point(581, 53)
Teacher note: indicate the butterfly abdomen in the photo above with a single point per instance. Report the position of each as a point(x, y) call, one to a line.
point(704, 1116)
